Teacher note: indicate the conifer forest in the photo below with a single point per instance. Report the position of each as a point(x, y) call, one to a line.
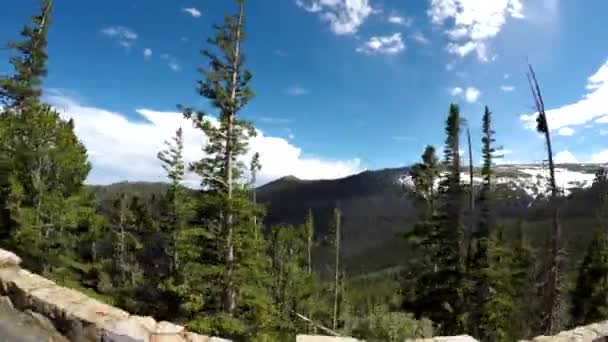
point(222, 259)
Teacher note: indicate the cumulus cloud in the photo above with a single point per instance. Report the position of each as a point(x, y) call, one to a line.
point(147, 53)
point(593, 106)
point(388, 45)
point(397, 19)
point(121, 149)
point(343, 16)
point(565, 157)
point(473, 22)
point(600, 157)
point(124, 36)
point(456, 91)
point(419, 37)
point(565, 131)
point(470, 94)
point(296, 90)
point(507, 88)
point(195, 13)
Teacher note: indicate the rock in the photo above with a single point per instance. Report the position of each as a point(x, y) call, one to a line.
point(312, 338)
point(6, 304)
point(41, 320)
point(131, 329)
point(9, 259)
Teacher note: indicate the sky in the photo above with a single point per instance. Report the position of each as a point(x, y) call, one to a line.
point(342, 86)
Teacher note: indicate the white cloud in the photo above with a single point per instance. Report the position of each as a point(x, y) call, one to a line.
point(296, 90)
point(507, 88)
point(388, 45)
point(147, 53)
point(456, 91)
point(565, 131)
point(475, 22)
point(343, 16)
point(600, 157)
point(195, 13)
point(121, 149)
point(565, 157)
point(592, 107)
point(506, 76)
point(472, 94)
point(602, 119)
point(173, 65)
point(420, 38)
point(397, 19)
point(124, 36)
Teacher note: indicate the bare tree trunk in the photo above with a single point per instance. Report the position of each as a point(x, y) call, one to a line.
point(230, 296)
point(309, 237)
point(552, 287)
point(337, 268)
point(469, 235)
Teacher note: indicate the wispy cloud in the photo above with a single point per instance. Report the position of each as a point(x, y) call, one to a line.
point(173, 65)
point(147, 53)
point(343, 16)
point(475, 23)
point(124, 36)
point(507, 88)
point(419, 37)
point(469, 94)
point(565, 131)
point(388, 45)
point(195, 13)
point(296, 90)
point(395, 18)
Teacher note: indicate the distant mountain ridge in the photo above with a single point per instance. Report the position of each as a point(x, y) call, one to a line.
point(377, 206)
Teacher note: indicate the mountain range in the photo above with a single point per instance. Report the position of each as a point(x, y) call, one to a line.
point(378, 207)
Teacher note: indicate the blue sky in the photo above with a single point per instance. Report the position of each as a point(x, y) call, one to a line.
point(342, 85)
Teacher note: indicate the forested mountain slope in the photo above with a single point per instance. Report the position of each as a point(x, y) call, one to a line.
point(378, 207)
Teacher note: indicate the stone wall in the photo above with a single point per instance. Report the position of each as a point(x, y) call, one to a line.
point(76, 316)
point(61, 314)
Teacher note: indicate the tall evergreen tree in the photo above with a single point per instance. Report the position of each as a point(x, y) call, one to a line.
point(590, 296)
point(490, 269)
point(440, 285)
point(231, 248)
point(24, 87)
point(336, 240)
point(523, 274)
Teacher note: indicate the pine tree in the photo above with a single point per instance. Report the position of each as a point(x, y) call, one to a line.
point(291, 282)
point(440, 285)
point(590, 296)
point(23, 88)
point(523, 284)
point(424, 176)
point(254, 167)
point(490, 268)
point(336, 239)
point(231, 248)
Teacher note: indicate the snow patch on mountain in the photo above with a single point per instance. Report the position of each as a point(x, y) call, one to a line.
point(533, 179)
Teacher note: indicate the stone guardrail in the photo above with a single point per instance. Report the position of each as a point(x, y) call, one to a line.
point(83, 319)
point(78, 317)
